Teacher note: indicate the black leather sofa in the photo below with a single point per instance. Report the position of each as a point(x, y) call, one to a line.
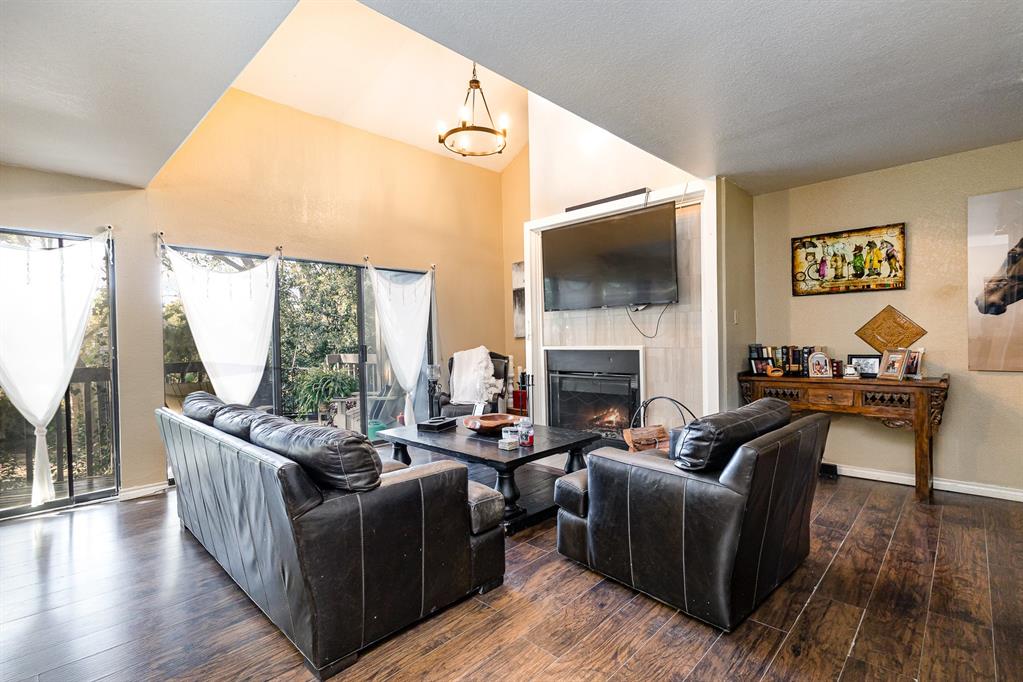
point(711, 529)
point(338, 548)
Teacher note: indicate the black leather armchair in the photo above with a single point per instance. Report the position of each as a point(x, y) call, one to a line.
point(712, 544)
point(500, 372)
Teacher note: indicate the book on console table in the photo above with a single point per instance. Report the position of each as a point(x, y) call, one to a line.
point(843, 380)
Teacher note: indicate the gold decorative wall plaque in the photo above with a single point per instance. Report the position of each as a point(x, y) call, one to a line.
point(890, 329)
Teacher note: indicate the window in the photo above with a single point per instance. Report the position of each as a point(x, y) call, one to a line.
point(325, 328)
point(182, 368)
point(82, 436)
point(318, 308)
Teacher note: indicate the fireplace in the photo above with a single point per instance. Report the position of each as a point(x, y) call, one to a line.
point(593, 390)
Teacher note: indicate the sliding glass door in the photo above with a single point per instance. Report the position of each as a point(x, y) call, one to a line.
point(385, 399)
point(183, 371)
point(318, 309)
point(82, 437)
point(326, 360)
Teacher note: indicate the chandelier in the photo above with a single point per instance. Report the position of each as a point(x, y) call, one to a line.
point(468, 138)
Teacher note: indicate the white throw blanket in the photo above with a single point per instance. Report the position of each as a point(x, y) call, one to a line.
point(472, 377)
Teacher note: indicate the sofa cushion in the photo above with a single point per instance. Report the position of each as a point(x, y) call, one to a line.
point(334, 458)
point(486, 507)
point(267, 422)
point(236, 420)
point(262, 426)
point(570, 492)
point(202, 406)
point(708, 443)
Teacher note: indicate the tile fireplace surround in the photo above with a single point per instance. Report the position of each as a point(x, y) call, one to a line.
point(672, 360)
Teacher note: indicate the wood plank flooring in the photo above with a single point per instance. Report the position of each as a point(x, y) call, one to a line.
point(892, 590)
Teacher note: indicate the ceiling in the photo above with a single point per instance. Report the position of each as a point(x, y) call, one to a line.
point(109, 89)
point(772, 93)
point(343, 61)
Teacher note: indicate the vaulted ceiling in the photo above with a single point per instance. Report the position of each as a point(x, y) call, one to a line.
point(343, 61)
point(109, 89)
point(773, 93)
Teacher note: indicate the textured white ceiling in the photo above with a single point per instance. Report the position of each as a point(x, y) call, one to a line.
point(773, 94)
point(109, 89)
point(343, 61)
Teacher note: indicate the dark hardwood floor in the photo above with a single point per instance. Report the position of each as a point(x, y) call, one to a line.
point(892, 590)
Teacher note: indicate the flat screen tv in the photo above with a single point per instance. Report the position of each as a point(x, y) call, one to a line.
point(624, 259)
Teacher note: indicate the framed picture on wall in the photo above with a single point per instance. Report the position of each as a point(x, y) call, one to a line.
point(994, 256)
point(518, 282)
point(864, 259)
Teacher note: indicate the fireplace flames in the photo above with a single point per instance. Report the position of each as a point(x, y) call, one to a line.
point(610, 419)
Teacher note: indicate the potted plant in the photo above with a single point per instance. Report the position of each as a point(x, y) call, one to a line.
point(315, 388)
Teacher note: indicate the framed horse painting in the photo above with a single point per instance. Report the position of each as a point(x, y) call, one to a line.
point(864, 259)
point(994, 238)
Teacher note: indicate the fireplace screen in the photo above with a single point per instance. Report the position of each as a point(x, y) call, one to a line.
point(601, 403)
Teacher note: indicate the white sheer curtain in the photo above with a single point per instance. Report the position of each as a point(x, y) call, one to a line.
point(231, 318)
point(403, 311)
point(45, 299)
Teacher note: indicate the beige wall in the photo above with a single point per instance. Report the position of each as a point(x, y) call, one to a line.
point(64, 203)
point(514, 213)
point(981, 439)
point(737, 321)
point(255, 174)
point(574, 161)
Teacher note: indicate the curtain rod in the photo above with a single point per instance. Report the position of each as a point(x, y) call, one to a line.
point(365, 259)
point(295, 259)
point(52, 234)
point(161, 240)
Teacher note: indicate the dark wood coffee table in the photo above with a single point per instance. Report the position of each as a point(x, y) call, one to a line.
point(468, 446)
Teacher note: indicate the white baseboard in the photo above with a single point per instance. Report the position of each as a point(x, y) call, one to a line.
point(142, 491)
point(965, 487)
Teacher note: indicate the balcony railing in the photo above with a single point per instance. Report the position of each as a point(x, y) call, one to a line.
point(91, 442)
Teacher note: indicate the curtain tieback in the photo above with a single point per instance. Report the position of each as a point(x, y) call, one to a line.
point(40, 430)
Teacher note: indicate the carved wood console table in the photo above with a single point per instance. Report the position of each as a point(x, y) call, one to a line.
point(909, 404)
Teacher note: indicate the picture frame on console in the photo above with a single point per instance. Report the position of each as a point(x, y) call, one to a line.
point(761, 365)
point(914, 364)
point(819, 366)
point(868, 364)
point(893, 364)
